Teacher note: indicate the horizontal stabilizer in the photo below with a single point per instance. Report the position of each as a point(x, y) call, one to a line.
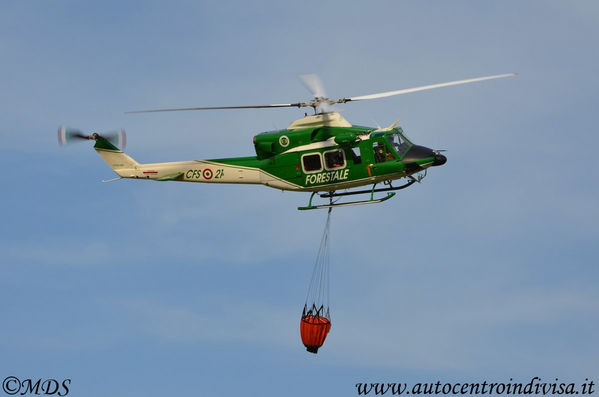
point(171, 177)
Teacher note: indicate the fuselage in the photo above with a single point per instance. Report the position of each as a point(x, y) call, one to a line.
point(321, 153)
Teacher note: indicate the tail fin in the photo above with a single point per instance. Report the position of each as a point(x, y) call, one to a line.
point(120, 162)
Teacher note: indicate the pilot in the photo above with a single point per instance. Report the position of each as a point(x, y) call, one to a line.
point(380, 154)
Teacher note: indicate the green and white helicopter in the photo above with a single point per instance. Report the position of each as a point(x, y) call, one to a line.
point(323, 154)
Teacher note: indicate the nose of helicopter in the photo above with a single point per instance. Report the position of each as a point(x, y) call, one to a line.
point(417, 153)
point(439, 159)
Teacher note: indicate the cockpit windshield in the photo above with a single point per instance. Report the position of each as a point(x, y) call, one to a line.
point(398, 143)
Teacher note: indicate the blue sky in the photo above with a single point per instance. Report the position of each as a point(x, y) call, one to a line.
point(486, 270)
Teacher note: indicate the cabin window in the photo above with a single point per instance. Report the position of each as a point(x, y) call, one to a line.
point(399, 144)
point(334, 159)
point(381, 153)
point(312, 162)
point(355, 153)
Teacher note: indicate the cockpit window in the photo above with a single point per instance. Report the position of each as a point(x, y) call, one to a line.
point(398, 143)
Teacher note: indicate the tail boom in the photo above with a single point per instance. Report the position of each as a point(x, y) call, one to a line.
point(237, 170)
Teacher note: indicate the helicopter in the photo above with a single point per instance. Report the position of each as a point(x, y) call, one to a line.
point(322, 153)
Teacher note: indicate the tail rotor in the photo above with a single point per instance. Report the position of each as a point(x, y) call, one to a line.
point(67, 135)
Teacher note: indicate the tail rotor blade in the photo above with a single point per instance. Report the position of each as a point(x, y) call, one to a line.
point(68, 135)
point(117, 138)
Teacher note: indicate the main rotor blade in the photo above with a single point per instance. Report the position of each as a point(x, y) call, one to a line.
point(422, 88)
point(321, 102)
point(313, 84)
point(276, 105)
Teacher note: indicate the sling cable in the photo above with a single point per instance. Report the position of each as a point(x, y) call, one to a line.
point(316, 319)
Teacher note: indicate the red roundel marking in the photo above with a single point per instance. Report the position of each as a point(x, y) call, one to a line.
point(207, 173)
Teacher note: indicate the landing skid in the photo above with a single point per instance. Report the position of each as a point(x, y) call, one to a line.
point(372, 200)
point(373, 190)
